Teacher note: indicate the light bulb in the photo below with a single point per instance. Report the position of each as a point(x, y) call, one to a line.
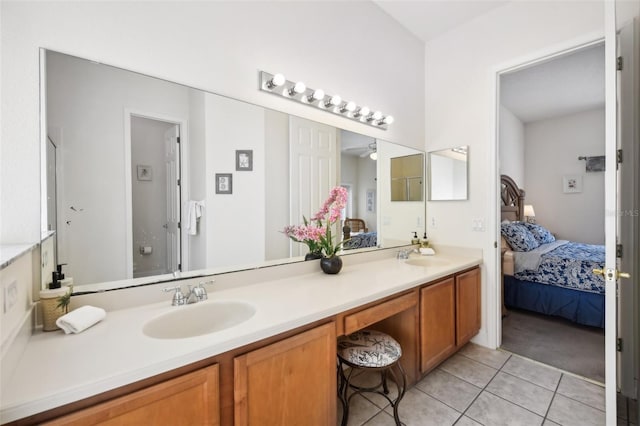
point(349, 106)
point(377, 115)
point(362, 112)
point(335, 100)
point(297, 88)
point(373, 156)
point(276, 80)
point(316, 95)
point(387, 120)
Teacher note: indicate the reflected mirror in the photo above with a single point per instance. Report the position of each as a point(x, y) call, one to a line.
point(407, 174)
point(153, 179)
point(448, 174)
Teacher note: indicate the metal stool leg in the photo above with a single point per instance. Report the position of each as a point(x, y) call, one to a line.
point(402, 387)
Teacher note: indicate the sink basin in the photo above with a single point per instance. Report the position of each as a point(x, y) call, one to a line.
point(198, 319)
point(427, 261)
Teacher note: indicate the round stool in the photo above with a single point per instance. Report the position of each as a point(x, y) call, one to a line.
point(372, 351)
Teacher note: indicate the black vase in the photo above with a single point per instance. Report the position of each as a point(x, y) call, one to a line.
point(331, 265)
point(312, 256)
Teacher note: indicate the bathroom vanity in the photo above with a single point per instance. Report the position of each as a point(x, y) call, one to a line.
point(431, 305)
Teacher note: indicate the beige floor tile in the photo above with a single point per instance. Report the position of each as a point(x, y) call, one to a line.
point(568, 412)
point(489, 409)
point(490, 357)
point(466, 421)
point(621, 406)
point(535, 373)
point(366, 378)
point(583, 391)
point(381, 419)
point(419, 409)
point(521, 392)
point(444, 387)
point(360, 410)
point(469, 370)
point(548, 422)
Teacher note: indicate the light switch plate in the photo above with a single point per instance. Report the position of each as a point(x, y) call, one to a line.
point(477, 224)
point(10, 295)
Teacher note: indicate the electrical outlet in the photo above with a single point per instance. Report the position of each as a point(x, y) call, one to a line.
point(433, 222)
point(477, 224)
point(10, 295)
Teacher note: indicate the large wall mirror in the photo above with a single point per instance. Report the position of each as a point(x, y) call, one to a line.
point(148, 179)
point(448, 170)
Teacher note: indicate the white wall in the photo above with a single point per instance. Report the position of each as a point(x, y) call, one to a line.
point(460, 108)
point(552, 148)
point(367, 180)
point(197, 182)
point(217, 46)
point(511, 139)
point(236, 221)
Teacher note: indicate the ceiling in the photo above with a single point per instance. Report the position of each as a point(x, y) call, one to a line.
point(427, 19)
point(565, 85)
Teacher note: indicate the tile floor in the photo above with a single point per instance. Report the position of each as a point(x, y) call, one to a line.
point(479, 386)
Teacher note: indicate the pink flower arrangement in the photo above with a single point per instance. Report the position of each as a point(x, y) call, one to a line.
point(317, 233)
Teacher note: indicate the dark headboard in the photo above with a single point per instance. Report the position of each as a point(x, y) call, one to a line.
point(511, 199)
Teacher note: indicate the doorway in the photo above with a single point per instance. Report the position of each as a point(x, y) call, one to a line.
point(155, 196)
point(551, 146)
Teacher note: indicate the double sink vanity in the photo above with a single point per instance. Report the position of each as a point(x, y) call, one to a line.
point(233, 356)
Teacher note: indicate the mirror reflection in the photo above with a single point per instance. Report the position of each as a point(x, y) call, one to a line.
point(406, 178)
point(153, 178)
point(448, 174)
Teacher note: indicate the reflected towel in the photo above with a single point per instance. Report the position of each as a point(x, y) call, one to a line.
point(80, 319)
point(194, 211)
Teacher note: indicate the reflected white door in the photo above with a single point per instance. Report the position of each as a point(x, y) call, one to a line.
point(627, 212)
point(172, 164)
point(313, 169)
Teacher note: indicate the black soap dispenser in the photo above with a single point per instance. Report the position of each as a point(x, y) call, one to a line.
point(415, 239)
point(56, 277)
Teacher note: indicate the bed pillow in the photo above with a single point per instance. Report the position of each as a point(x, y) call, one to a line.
point(518, 236)
point(540, 233)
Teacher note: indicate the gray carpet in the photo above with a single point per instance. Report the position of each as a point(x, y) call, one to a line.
point(556, 342)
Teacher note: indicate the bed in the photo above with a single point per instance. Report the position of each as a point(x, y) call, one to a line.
point(357, 234)
point(545, 275)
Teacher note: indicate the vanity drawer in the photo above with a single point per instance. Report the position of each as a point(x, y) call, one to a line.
point(364, 318)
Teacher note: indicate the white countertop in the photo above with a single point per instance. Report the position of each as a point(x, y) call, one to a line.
point(58, 369)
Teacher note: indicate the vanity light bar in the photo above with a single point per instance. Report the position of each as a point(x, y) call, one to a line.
point(299, 92)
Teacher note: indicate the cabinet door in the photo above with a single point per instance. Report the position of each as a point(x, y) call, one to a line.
point(437, 323)
point(468, 305)
point(192, 399)
point(291, 382)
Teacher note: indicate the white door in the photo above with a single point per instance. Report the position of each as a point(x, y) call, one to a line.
point(611, 212)
point(313, 169)
point(628, 220)
point(172, 164)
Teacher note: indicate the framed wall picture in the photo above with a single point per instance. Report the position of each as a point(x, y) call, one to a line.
point(145, 172)
point(244, 160)
point(572, 184)
point(224, 183)
point(371, 200)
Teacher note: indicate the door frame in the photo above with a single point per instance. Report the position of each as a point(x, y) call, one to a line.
point(494, 326)
point(184, 181)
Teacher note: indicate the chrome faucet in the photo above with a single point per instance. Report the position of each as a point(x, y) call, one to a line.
point(178, 297)
point(196, 294)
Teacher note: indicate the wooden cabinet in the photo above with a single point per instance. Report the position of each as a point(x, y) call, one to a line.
point(191, 399)
point(437, 323)
point(467, 306)
point(290, 382)
point(449, 317)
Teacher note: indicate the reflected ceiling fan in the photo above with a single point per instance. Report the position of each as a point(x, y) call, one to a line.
point(370, 151)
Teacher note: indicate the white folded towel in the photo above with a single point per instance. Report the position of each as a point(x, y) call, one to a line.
point(80, 319)
point(194, 211)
